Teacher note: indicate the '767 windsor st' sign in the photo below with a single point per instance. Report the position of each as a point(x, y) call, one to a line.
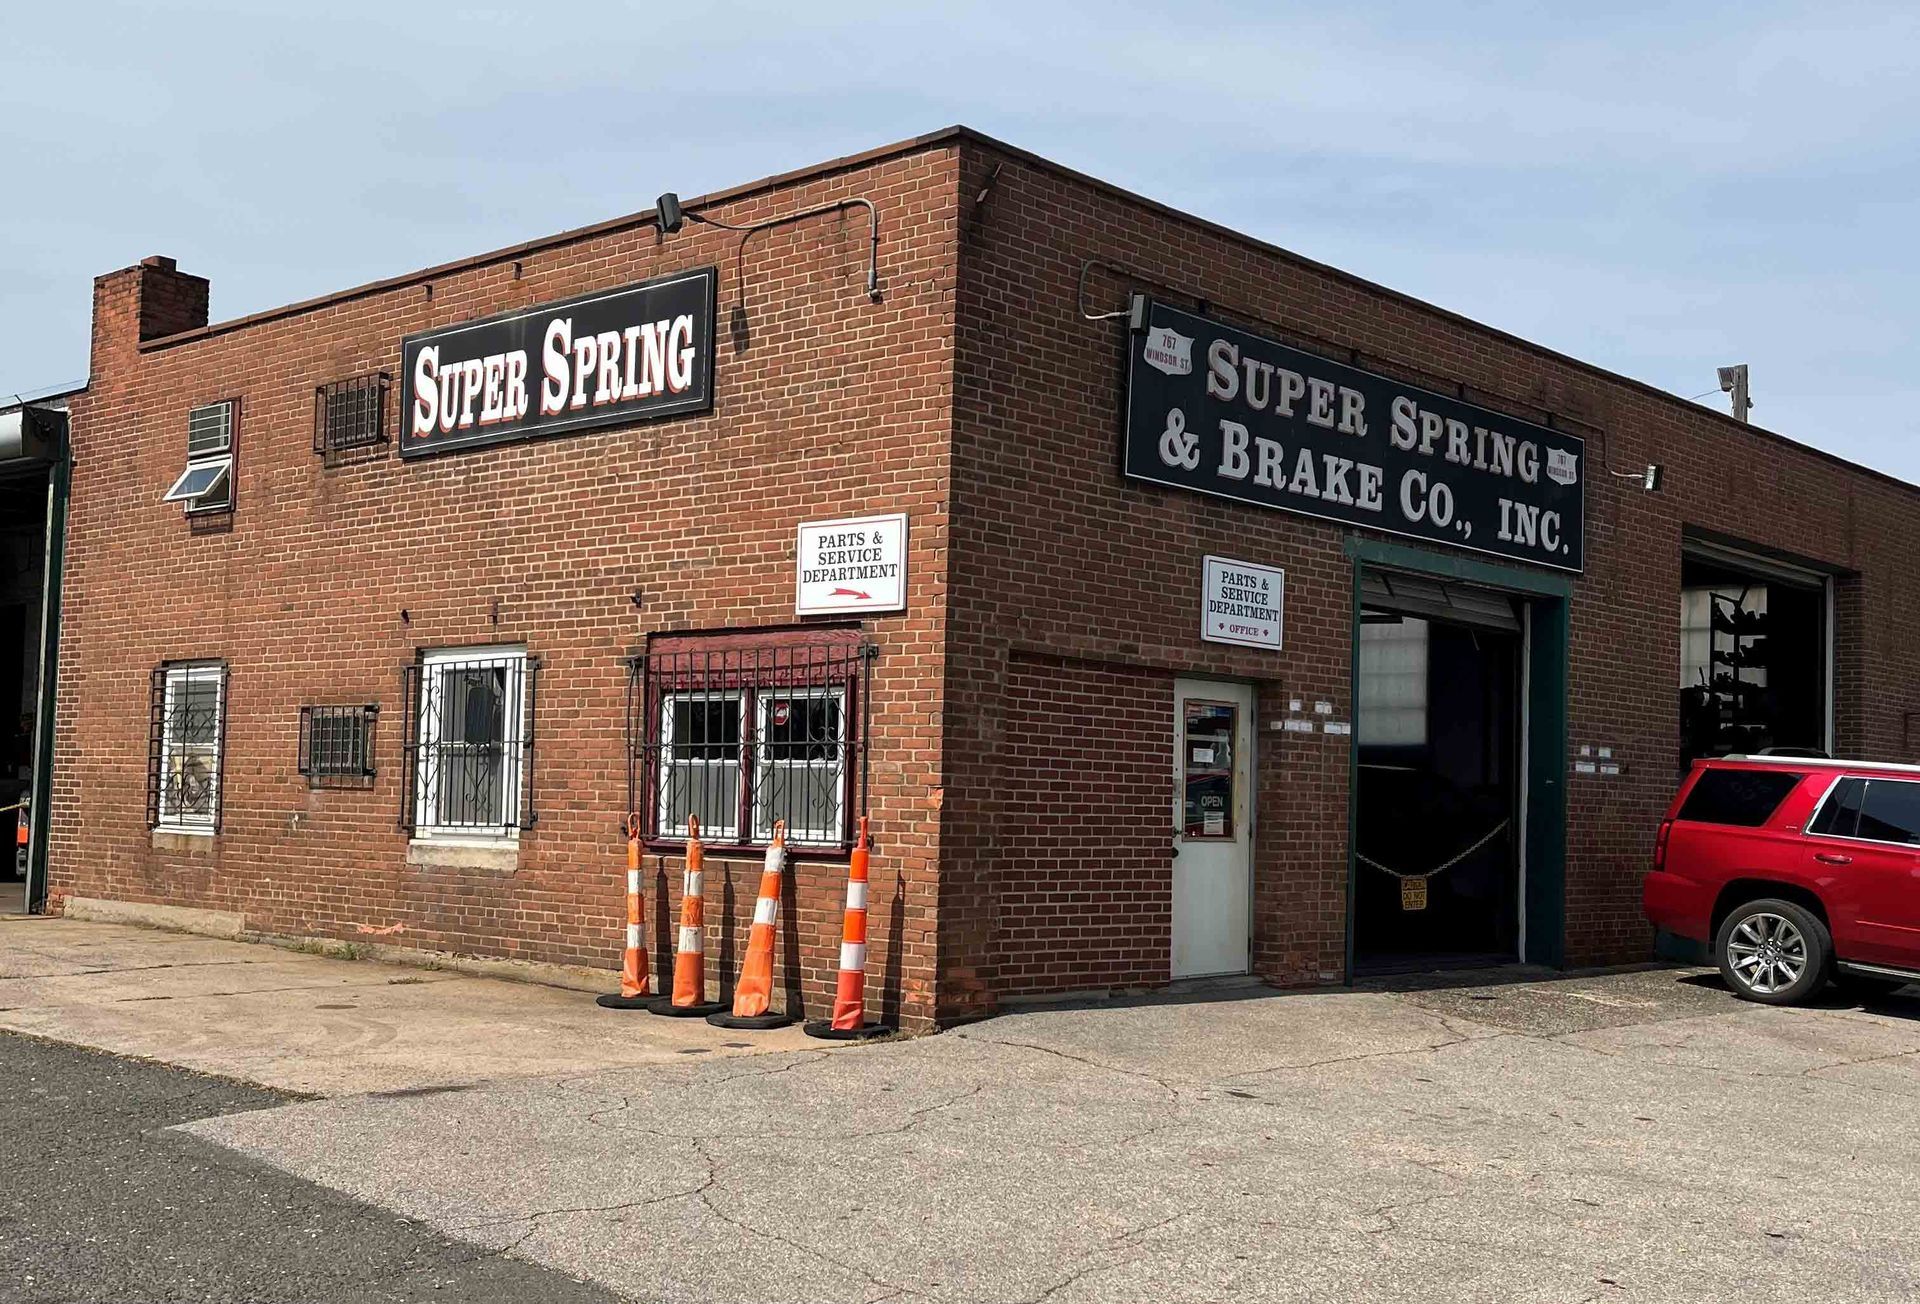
point(1224, 412)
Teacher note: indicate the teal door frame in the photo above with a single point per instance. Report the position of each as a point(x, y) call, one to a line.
point(40, 798)
point(1545, 836)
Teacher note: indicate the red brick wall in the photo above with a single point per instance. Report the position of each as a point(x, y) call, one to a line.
point(1053, 550)
point(1084, 895)
point(828, 404)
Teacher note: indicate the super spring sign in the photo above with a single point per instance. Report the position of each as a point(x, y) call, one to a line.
point(614, 356)
point(1224, 412)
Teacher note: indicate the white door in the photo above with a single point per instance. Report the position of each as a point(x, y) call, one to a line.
point(1212, 826)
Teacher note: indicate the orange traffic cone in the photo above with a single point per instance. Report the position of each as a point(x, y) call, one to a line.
point(634, 979)
point(754, 990)
point(850, 1000)
point(690, 955)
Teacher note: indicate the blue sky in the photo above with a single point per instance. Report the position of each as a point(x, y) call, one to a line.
point(1657, 189)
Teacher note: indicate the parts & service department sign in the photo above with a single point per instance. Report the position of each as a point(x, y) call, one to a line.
point(1224, 412)
point(601, 359)
point(851, 565)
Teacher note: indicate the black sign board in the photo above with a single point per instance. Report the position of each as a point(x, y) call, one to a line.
point(1224, 412)
point(605, 358)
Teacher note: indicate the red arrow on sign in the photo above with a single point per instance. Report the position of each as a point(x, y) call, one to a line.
point(852, 593)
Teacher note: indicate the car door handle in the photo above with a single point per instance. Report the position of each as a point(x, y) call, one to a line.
point(1830, 858)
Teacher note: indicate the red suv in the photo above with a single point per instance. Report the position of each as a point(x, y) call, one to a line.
point(1794, 871)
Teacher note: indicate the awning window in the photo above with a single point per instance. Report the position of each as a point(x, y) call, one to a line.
point(203, 484)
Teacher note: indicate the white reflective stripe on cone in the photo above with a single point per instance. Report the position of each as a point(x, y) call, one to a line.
point(633, 937)
point(689, 940)
point(633, 882)
point(765, 910)
point(691, 885)
point(853, 955)
point(856, 895)
point(775, 854)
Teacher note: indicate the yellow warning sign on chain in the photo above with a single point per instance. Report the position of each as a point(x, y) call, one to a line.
point(1413, 894)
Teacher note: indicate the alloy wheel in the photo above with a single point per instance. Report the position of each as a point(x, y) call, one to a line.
point(1767, 953)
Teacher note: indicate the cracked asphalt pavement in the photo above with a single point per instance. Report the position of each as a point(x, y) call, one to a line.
point(103, 1202)
point(1628, 1136)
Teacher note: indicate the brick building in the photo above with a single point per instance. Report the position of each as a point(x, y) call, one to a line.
point(384, 610)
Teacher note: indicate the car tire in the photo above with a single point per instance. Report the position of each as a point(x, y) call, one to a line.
point(1773, 951)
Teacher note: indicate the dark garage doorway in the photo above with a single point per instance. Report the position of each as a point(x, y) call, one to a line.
point(1438, 818)
point(1755, 654)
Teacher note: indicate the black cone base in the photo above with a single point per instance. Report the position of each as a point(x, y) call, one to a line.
point(664, 1005)
point(753, 1023)
point(824, 1029)
point(624, 1002)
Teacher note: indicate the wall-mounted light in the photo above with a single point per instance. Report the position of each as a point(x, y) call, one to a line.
point(670, 217)
point(1649, 478)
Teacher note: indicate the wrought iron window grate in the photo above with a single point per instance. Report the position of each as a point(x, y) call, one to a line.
point(744, 734)
point(186, 742)
point(336, 745)
point(469, 743)
point(350, 414)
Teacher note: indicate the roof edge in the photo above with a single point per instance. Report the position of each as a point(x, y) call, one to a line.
point(1400, 296)
point(540, 243)
point(959, 132)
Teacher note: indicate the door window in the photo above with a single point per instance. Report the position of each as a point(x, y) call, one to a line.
point(1207, 761)
point(1839, 815)
point(1891, 812)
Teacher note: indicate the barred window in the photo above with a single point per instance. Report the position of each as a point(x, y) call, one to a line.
point(743, 730)
point(186, 735)
point(469, 746)
point(336, 745)
point(350, 414)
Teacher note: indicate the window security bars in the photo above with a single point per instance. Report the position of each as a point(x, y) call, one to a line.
point(336, 745)
point(186, 737)
point(350, 414)
point(743, 736)
point(469, 743)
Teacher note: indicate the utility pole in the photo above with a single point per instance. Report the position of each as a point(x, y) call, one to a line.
point(1733, 380)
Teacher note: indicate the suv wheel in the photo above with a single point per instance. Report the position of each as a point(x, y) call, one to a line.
point(1773, 951)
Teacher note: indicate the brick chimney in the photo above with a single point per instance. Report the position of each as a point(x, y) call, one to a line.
point(170, 300)
point(146, 302)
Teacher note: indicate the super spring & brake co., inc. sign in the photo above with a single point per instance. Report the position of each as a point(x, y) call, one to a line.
point(613, 356)
point(1224, 412)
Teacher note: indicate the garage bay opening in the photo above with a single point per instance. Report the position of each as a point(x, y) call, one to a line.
point(1438, 821)
point(1755, 655)
point(32, 518)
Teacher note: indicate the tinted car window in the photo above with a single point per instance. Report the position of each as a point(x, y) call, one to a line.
point(1891, 811)
point(1839, 817)
point(1743, 797)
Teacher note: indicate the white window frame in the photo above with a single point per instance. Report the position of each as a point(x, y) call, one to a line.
point(426, 813)
point(833, 833)
point(673, 824)
point(215, 455)
point(173, 820)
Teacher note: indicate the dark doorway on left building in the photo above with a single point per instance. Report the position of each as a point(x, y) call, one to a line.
point(33, 493)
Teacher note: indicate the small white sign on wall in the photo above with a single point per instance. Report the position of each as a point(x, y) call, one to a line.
point(1242, 603)
point(859, 564)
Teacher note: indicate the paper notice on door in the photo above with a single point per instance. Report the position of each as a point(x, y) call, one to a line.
point(1214, 825)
